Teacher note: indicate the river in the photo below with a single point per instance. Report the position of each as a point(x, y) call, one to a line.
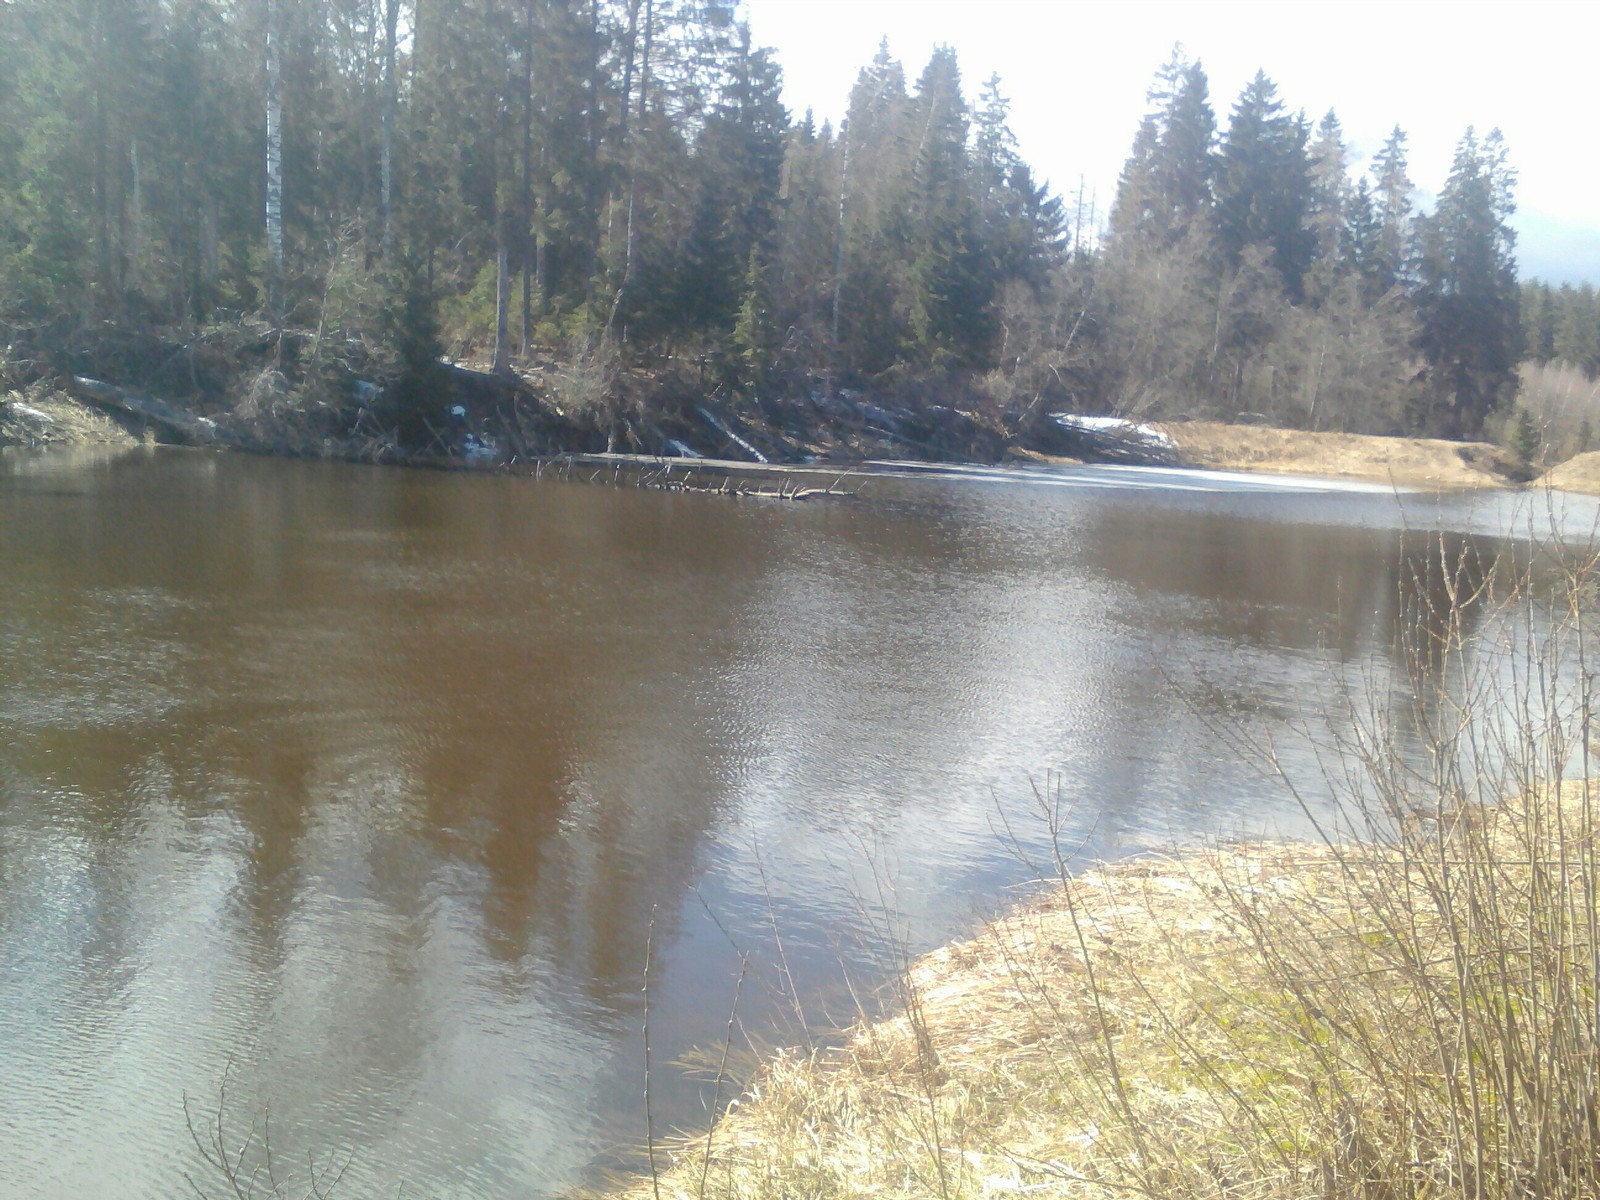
point(355, 802)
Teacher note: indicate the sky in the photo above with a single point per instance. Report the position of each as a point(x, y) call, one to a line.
point(1076, 74)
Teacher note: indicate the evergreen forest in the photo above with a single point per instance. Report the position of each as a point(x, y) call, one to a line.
point(607, 200)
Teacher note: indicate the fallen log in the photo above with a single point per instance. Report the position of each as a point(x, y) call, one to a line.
point(508, 382)
point(200, 431)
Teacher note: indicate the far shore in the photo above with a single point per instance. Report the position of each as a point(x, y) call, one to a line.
point(56, 419)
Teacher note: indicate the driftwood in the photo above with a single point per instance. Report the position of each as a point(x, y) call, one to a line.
point(722, 427)
point(201, 431)
point(714, 477)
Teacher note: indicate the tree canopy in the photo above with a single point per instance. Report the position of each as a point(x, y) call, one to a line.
point(554, 175)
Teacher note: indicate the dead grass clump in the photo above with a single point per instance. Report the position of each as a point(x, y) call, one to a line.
point(1271, 1021)
point(1411, 1013)
point(42, 416)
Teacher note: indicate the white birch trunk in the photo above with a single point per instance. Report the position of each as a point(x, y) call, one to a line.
point(135, 217)
point(274, 214)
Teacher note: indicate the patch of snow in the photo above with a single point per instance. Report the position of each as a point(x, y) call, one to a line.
point(1115, 427)
point(480, 447)
point(680, 450)
point(27, 410)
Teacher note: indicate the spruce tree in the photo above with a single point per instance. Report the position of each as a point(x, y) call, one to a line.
point(951, 283)
point(1166, 186)
point(1393, 201)
point(1467, 294)
point(1264, 184)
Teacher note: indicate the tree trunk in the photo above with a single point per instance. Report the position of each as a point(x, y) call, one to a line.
point(135, 217)
point(838, 260)
point(502, 301)
point(630, 41)
point(644, 61)
point(391, 20)
point(208, 247)
point(275, 267)
point(525, 218)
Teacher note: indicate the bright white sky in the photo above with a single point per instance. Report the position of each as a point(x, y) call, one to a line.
point(1076, 72)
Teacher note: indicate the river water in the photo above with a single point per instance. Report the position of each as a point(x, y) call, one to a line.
point(355, 803)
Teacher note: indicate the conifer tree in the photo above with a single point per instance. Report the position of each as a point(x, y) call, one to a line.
point(1330, 199)
point(1467, 293)
point(1264, 184)
point(1393, 200)
point(1166, 187)
point(951, 284)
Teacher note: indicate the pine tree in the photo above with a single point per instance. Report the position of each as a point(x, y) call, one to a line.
point(875, 166)
point(1538, 321)
point(1363, 241)
point(807, 241)
point(1330, 199)
point(1575, 339)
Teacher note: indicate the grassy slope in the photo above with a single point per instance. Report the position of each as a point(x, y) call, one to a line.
point(1407, 462)
point(1578, 474)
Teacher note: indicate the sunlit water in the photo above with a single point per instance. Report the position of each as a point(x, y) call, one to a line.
point(370, 794)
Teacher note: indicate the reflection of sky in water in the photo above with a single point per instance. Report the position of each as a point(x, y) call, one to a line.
point(380, 782)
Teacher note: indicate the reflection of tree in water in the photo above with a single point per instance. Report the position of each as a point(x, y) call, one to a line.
point(424, 710)
point(566, 744)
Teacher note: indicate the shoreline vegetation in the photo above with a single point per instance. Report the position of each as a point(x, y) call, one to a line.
point(47, 415)
point(1406, 1006)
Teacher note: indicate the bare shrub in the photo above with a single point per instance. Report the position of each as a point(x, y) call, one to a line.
point(239, 1161)
point(1565, 406)
point(586, 381)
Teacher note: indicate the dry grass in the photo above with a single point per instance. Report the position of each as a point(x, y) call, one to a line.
point(1270, 1021)
point(1412, 1013)
point(1580, 473)
point(44, 417)
point(1408, 462)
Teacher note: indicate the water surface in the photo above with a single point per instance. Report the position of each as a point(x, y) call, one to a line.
point(368, 790)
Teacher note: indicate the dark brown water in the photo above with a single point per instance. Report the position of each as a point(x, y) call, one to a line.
point(367, 790)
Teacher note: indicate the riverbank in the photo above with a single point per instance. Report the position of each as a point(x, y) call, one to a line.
point(245, 386)
point(1265, 1020)
point(1406, 462)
